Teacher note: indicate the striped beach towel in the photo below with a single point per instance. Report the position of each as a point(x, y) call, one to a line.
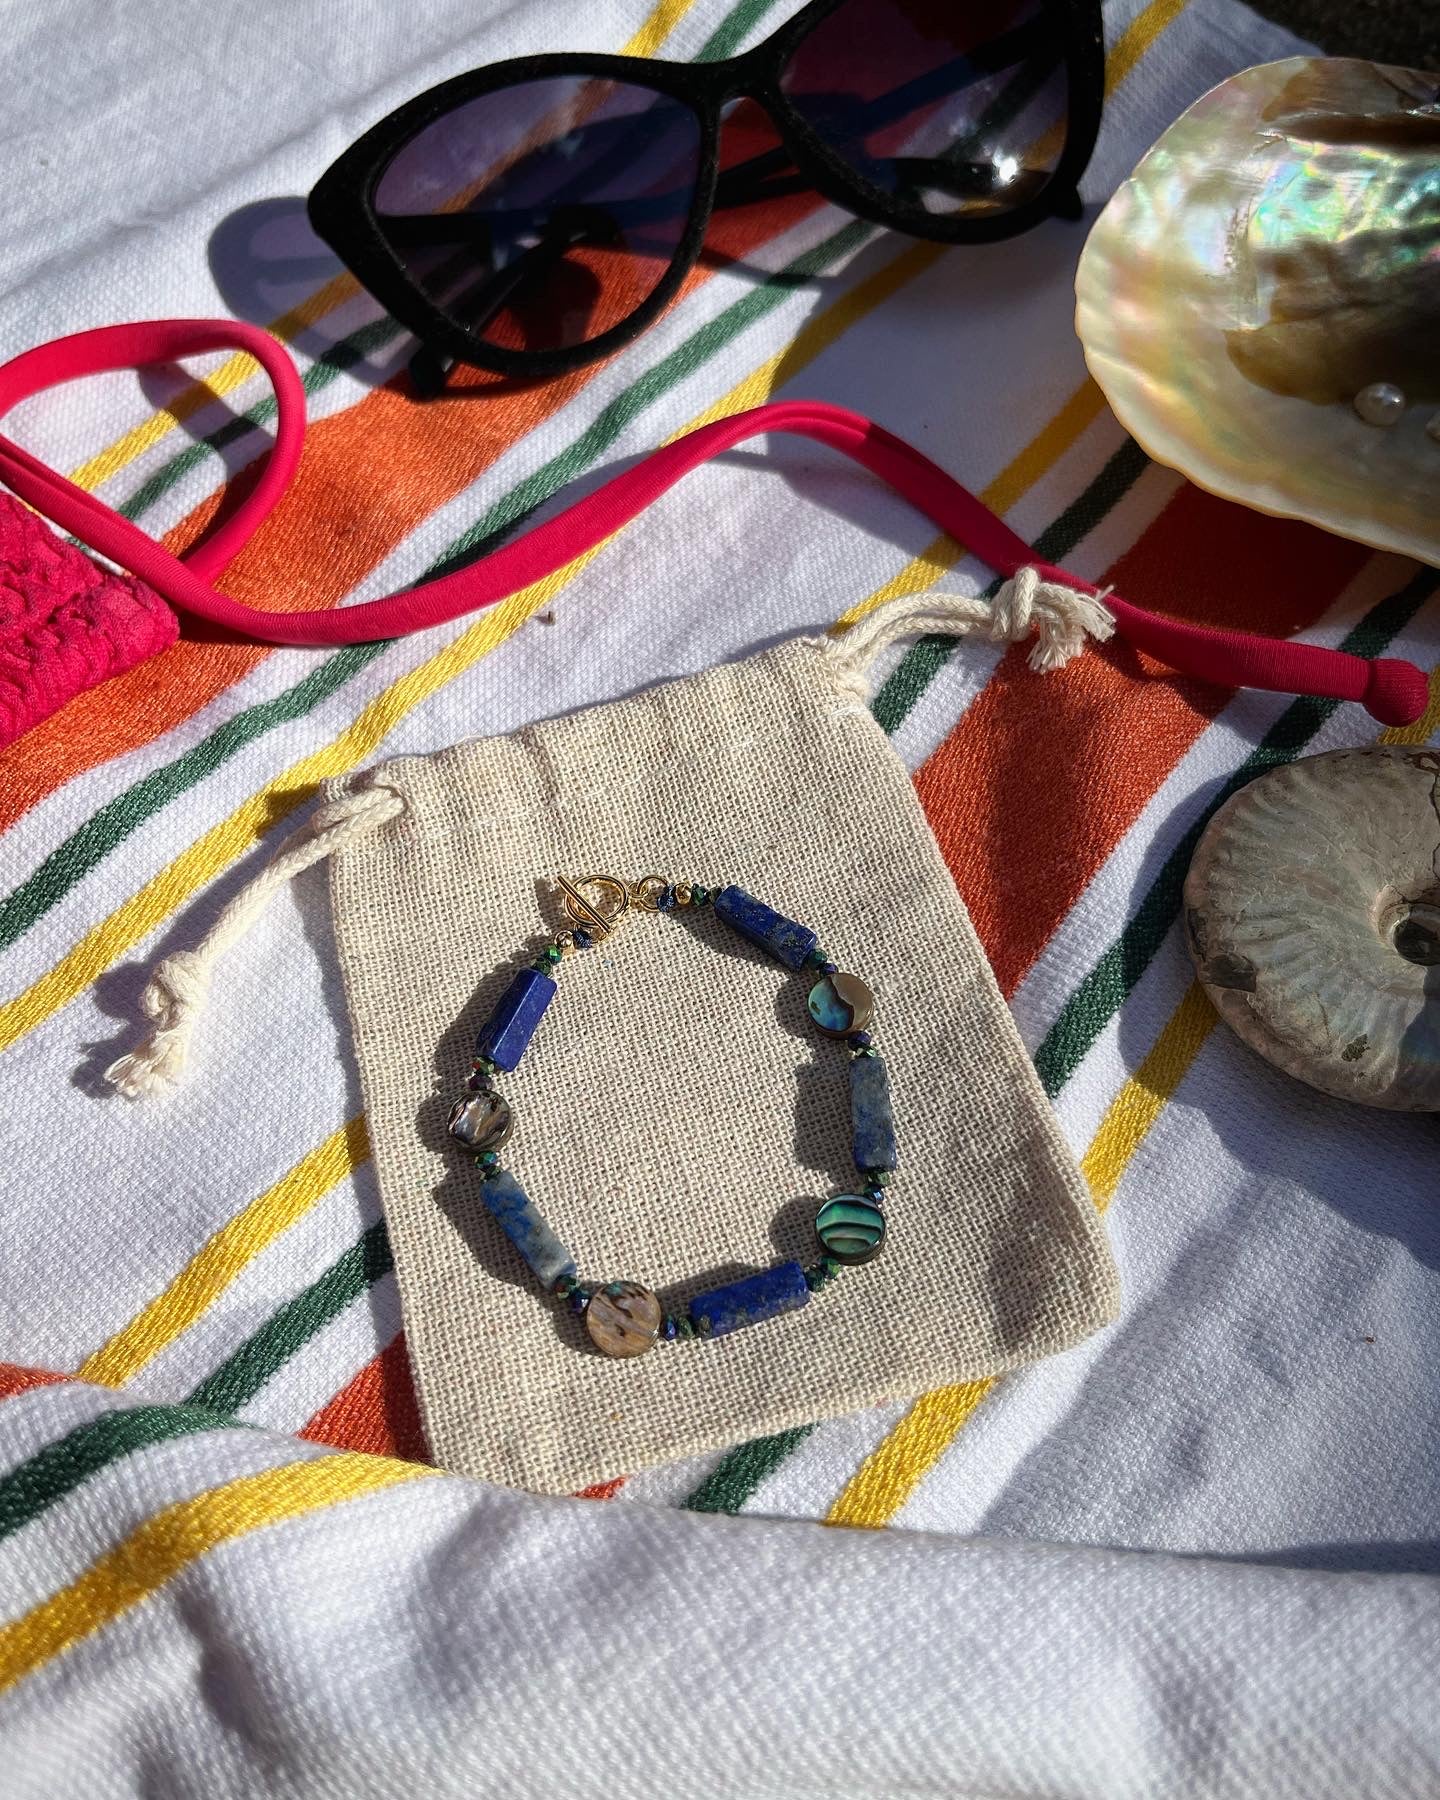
point(1196, 1554)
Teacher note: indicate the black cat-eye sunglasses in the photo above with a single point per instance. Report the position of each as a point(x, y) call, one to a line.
point(536, 215)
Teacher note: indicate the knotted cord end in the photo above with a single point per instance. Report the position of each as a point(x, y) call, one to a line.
point(1062, 618)
point(174, 998)
point(178, 988)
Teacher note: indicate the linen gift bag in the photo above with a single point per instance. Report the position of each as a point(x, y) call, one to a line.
point(678, 1119)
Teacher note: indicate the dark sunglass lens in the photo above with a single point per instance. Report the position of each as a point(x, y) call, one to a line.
point(542, 215)
point(952, 108)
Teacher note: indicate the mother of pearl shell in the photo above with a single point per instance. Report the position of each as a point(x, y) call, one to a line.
point(623, 1318)
point(1312, 909)
point(850, 1228)
point(1273, 254)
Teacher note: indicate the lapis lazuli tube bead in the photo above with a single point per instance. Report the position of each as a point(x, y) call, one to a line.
point(786, 941)
point(749, 1302)
point(511, 1026)
point(872, 1123)
point(527, 1231)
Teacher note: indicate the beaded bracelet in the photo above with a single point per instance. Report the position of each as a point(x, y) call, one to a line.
point(622, 1317)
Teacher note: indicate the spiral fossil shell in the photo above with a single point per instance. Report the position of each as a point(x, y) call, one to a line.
point(1312, 909)
point(1273, 254)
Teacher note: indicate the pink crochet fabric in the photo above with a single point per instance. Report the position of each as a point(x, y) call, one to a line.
point(65, 623)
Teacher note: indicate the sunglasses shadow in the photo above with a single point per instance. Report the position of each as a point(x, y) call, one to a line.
point(268, 265)
point(267, 262)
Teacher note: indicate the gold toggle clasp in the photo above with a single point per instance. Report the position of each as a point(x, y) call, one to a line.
point(595, 903)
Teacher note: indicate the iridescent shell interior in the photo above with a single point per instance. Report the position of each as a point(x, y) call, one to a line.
point(1276, 251)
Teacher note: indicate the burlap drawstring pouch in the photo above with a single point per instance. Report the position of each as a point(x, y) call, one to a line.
point(677, 1121)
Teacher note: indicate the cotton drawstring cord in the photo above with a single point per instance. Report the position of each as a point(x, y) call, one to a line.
point(1061, 617)
point(178, 987)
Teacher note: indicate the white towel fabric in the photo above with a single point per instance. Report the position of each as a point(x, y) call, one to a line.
point(1197, 1555)
point(445, 1637)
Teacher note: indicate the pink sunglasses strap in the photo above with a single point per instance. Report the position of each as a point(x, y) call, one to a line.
point(1393, 691)
point(112, 347)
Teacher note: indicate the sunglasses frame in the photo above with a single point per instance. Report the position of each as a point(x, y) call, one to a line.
point(341, 205)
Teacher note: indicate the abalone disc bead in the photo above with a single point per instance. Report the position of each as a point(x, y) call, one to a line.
point(850, 1228)
point(759, 1297)
point(623, 1318)
point(521, 1221)
point(872, 1123)
point(786, 941)
point(840, 1004)
point(511, 1026)
point(481, 1122)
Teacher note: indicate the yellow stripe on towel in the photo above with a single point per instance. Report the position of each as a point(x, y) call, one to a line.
point(165, 1545)
point(217, 1263)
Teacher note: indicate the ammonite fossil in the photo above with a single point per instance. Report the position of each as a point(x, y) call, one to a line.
point(1312, 908)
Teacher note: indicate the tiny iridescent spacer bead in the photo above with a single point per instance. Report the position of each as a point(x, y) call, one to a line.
point(488, 1159)
point(665, 901)
point(581, 938)
point(699, 896)
point(564, 1286)
point(860, 1040)
point(829, 968)
point(669, 1329)
point(579, 1299)
point(817, 958)
point(551, 954)
point(877, 1194)
point(877, 1177)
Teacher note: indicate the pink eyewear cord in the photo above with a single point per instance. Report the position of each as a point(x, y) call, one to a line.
point(1392, 691)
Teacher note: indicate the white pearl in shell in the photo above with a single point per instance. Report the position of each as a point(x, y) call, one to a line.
point(1382, 403)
